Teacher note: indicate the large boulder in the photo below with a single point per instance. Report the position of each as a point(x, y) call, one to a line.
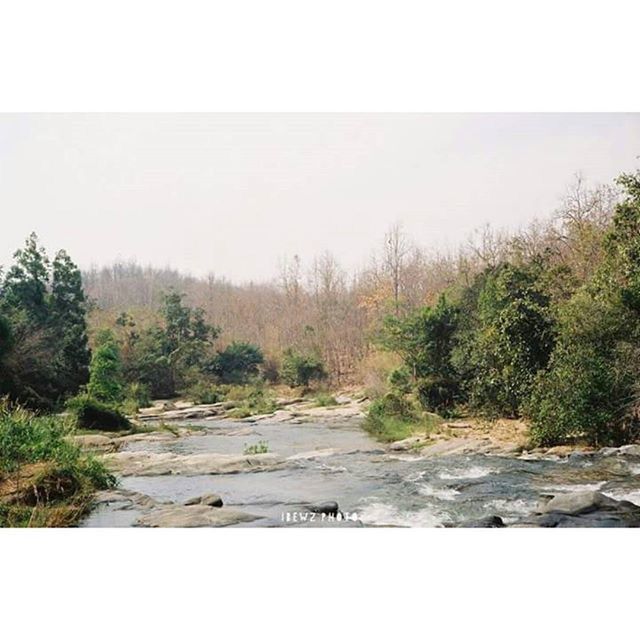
point(584, 509)
point(199, 515)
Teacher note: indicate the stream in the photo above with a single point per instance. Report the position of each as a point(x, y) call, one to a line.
point(371, 485)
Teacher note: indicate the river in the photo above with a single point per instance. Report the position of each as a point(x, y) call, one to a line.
point(373, 487)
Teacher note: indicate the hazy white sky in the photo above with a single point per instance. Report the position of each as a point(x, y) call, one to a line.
point(232, 194)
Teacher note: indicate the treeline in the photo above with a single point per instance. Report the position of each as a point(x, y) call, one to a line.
point(547, 330)
point(44, 352)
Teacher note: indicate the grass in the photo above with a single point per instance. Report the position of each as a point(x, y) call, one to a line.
point(45, 480)
point(250, 401)
point(395, 417)
point(261, 447)
point(324, 400)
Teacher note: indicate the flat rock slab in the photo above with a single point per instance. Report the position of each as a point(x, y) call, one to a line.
point(193, 516)
point(145, 463)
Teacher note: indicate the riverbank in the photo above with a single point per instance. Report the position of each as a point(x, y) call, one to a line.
point(46, 480)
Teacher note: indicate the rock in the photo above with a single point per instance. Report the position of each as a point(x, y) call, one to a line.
point(584, 509)
point(578, 502)
point(328, 508)
point(210, 500)
point(146, 463)
point(457, 425)
point(488, 522)
point(407, 444)
point(97, 442)
point(457, 446)
point(198, 515)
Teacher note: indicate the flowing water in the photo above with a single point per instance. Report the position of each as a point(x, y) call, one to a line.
point(377, 487)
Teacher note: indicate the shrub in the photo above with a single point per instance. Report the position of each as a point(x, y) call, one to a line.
point(93, 414)
point(298, 369)
point(106, 382)
point(205, 393)
point(437, 394)
point(325, 400)
point(67, 477)
point(237, 362)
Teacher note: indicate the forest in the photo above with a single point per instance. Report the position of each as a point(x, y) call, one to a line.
point(541, 324)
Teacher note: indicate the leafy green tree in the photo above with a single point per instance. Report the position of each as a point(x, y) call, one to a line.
point(106, 382)
point(508, 336)
point(299, 369)
point(26, 282)
point(590, 388)
point(170, 356)
point(237, 362)
point(425, 340)
point(43, 304)
point(68, 320)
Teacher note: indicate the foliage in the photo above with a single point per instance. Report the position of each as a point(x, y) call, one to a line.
point(44, 356)
point(323, 399)
point(261, 447)
point(299, 369)
point(170, 356)
point(508, 337)
point(237, 363)
point(250, 400)
point(66, 473)
point(106, 381)
point(136, 397)
point(590, 389)
point(90, 413)
point(204, 392)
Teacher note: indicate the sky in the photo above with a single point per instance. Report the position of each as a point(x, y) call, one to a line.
point(234, 194)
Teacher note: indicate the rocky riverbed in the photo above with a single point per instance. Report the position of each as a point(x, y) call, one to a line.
point(322, 469)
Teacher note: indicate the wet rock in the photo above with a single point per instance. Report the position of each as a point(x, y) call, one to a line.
point(210, 500)
point(198, 515)
point(329, 508)
point(488, 522)
point(584, 509)
point(578, 502)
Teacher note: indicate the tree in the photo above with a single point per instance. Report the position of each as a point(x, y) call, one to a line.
point(25, 284)
point(425, 340)
point(43, 305)
point(68, 319)
point(395, 251)
point(237, 362)
point(589, 390)
point(106, 382)
point(508, 336)
point(167, 357)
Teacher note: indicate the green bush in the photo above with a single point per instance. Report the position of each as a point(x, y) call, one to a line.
point(237, 363)
point(299, 369)
point(204, 392)
point(106, 382)
point(324, 400)
point(90, 413)
point(438, 394)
